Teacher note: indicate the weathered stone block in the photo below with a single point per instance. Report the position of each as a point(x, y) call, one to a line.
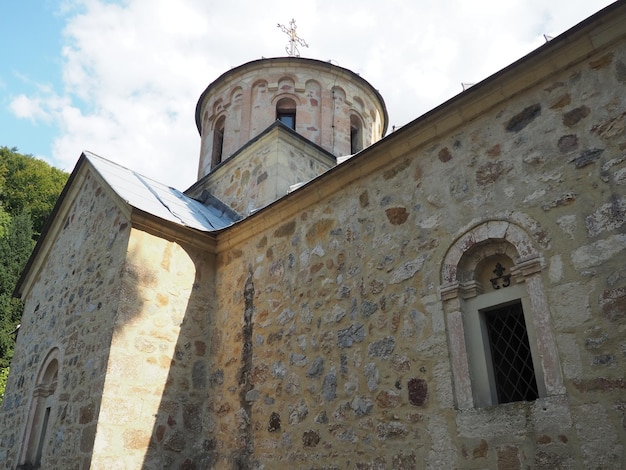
point(418, 391)
point(346, 337)
point(522, 119)
point(382, 348)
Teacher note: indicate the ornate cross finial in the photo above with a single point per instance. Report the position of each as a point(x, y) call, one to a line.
point(292, 48)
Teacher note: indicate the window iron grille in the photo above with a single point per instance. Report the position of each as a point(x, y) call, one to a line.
point(513, 370)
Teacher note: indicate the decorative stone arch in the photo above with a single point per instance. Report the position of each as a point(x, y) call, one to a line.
point(338, 93)
point(260, 99)
point(281, 96)
point(43, 402)
point(236, 96)
point(259, 89)
point(359, 103)
point(259, 83)
point(286, 84)
point(313, 89)
point(462, 290)
point(313, 106)
point(217, 107)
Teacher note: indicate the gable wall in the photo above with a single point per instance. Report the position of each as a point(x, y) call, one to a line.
point(348, 364)
point(71, 306)
point(263, 172)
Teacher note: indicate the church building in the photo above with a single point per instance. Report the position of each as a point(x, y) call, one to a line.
point(327, 296)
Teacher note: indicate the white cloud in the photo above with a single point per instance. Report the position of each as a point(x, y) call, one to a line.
point(28, 108)
point(43, 107)
point(133, 71)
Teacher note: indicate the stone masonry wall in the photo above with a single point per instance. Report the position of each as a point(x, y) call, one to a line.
point(263, 172)
point(334, 344)
point(71, 307)
point(153, 402)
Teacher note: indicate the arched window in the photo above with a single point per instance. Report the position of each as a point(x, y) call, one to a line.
point(218, 142)
point(356, 134)
point(501, 358)
point(43, 400)
point(286, 112)
point(502, 346)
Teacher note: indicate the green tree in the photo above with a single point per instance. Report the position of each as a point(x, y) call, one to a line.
point(4, 375)
point(29, 184)
point(15, 249)
point(29, 189)
point(5, 217)
point(5, 221)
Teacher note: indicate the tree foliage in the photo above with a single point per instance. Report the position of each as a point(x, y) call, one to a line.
point(5, 221)
point(29, 189)
point(15, 248)
point(4, 375)
point(29, 184)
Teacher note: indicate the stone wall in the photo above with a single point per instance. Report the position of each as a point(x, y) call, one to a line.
point(336, 347)
point(263, 171)
point(153, 400)
point(71, 307)
point(130, 314)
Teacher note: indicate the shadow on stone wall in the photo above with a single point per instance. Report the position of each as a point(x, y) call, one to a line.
point(183, 424)
point(90, 373)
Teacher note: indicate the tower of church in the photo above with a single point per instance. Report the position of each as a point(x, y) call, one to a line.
point(331, 106)
point(273, 123)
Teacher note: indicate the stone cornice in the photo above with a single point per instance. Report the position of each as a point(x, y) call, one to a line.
point(174, 232)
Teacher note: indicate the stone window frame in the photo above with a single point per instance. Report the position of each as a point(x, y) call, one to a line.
point(460, 294)
point(45, 392)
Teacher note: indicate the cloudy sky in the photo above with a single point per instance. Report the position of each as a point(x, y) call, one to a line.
point(122, 78)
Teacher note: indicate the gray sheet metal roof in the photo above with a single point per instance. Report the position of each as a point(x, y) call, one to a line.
point(160, 200)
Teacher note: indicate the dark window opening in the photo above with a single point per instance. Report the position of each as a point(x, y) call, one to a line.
point(42, 437)
point(40, 414)
point(511, 356)
point(356, 135)
point(286, 112)
point(288, 119)
point(218, 142)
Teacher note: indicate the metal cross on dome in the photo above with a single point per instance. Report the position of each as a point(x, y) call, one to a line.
point(292, 48)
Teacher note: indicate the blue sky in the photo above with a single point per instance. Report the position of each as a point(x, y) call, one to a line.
point(121, 78)
point(30, 58)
